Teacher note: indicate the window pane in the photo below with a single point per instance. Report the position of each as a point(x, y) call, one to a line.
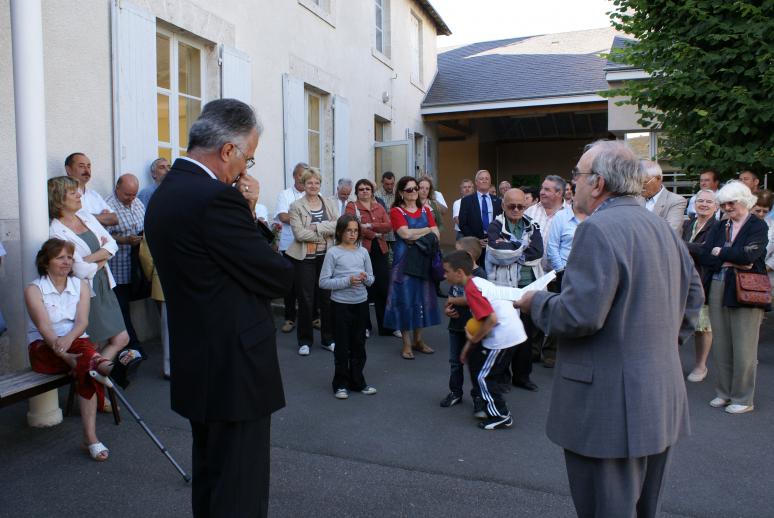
point(314, 149)
point(189, 109)
point(162, 61)
point(189, 74)
point(162, 107)
point(165, 152)
point(378, 18)
point(314, 112)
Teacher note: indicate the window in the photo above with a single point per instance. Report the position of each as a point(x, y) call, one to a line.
point(179, 91)
point(314, 128)
point(382, 13)
point(416, 50)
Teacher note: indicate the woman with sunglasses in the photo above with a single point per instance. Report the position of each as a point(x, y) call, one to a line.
point(737, 244)
point(411, 303)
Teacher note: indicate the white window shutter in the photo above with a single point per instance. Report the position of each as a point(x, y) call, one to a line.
point(135, 69)
point(294, 133)
point(235, 75)
point(341, 116)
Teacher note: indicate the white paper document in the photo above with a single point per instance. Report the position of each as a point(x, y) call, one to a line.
point(494, 292)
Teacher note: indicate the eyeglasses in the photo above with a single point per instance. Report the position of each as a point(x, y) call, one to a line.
point(411, 189)
point(249, 161)
point(576, 173)
point(732, 203)
point(359, 189)
point(514, 206)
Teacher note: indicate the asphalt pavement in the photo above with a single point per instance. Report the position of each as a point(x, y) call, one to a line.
point(396, 453)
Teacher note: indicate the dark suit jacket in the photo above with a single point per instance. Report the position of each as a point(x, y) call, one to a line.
point(629, 294)
point(470, 215)
point(219, 275)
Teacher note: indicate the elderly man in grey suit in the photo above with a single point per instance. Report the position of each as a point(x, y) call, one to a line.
point(660, 201)
point(618, 402)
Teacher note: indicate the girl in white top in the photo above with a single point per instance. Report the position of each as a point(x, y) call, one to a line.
point(58, 305)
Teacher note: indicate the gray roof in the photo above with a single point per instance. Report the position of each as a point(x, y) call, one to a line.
point(547, 65)
point(619, 42)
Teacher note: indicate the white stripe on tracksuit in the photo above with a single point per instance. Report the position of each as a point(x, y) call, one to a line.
point(491, 358)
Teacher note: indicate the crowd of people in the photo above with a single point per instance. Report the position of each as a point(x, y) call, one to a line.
point(366, 246)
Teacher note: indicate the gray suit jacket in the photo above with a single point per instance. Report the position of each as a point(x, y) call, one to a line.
point(671, 207)
point(629, 294)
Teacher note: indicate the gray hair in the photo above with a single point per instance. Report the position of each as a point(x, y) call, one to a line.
point(651, 168)
point(300, 168)
point(222, 121)
point(619, 167)
point(738, 192)
point(558, 180)
point(155, 164)
point(344, 182)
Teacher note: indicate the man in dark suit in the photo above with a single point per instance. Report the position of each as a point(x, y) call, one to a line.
point(477, 211)
point(618, 403)
point(219, 275)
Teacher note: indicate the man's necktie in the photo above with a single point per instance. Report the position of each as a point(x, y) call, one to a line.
point(484, 213)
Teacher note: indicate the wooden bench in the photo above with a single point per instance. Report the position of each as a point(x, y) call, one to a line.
point(21, 385)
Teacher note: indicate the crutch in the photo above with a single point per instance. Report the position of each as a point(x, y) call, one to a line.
point(109, 383)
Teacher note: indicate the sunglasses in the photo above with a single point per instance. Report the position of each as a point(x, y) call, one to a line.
point(411, 189)
point(359, 189)
point(512, 206)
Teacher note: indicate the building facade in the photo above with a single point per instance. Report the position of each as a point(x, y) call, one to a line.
point(336, 83)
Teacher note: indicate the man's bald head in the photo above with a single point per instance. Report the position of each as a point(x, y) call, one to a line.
point(126, 188)
point(514, 204)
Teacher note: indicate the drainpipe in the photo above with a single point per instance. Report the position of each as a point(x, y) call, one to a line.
point(29, 106)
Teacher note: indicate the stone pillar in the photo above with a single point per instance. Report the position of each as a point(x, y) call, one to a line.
point(29, 107)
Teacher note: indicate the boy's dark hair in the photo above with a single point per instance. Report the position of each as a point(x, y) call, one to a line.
point(471, 245)
point(459, 260)
point(341, 225)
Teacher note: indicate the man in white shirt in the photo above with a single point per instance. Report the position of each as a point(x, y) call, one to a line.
point(284, 199)
point(542, 213)
point(343, 191)
point(658, 200)
point(466, 187)
point(78, 166)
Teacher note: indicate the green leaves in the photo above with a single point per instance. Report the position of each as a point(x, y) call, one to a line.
point(712, 78)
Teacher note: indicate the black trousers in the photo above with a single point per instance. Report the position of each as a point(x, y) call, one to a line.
point(231, 469)
point(623, 488)
point(290, 300)
point(123, 292)
point(521, 362)
point(305, 284)
point(488, 367)
point(377, 292)
point(349, 356)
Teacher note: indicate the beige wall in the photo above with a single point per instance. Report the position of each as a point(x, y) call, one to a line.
point(457, 160)
point(621, 118)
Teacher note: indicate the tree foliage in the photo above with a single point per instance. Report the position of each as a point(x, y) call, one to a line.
point(711, 85)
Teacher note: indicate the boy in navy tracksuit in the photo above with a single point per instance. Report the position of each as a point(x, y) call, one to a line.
point(458, 313)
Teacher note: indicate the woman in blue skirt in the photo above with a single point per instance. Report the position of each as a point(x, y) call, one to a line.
point(412, 303)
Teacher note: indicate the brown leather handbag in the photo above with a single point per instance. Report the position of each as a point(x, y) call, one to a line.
point(753, 289)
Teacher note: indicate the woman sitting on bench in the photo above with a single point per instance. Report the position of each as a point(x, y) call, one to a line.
point(58, 304)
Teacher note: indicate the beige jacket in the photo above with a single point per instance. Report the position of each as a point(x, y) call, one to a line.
point(301, 218)
point(146, 261)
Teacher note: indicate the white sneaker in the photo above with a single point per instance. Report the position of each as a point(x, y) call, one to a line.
point(368, 333)
point(341, 393)
point(719, 402)
point(739, 409)
point(368, 390)
point(330, 347)
point(303, 350)
point(397, 334)
point(696, 375)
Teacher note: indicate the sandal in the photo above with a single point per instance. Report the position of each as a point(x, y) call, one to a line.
point(407, 355)
point(422, 347)
point(97, 451)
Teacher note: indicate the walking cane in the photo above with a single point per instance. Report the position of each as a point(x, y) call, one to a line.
point(109, 384)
